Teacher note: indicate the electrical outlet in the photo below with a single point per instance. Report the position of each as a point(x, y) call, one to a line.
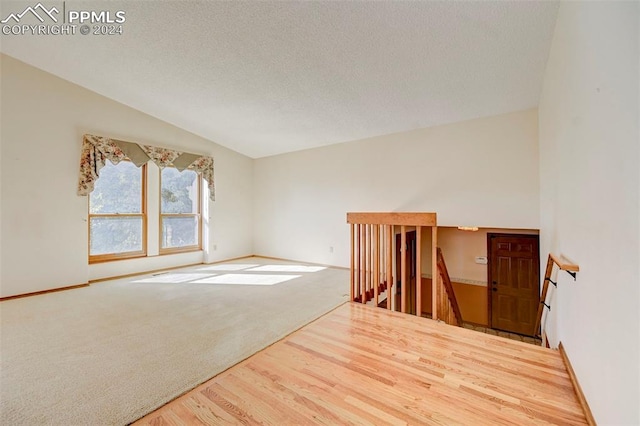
point(331, 249)
point(215, 247)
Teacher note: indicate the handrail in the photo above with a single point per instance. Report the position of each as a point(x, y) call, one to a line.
point(564, 265)
point(448, 290)
point(570, 268)
point(393, 218)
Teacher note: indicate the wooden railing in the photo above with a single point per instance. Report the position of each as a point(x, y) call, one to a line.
point(563, 265)
point(372, 267)
point(448, 309)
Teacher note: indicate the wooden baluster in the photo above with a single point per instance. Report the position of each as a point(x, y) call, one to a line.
point(367, 261)
point(352, 226)
point(443, 304)
point(383, 280)
point(376, 258)
point(445, 308)
point(383, 258)
point(440, 307)
point(361, 260)
point(390, 283)
point(370, 270)
point(383, 251)
point(363, 273)
point(434, 272)
point(376, 264)
point(364, 263)
point(403, 268)
point(372, 259)
point(419, 271)
point(445, 301)
point(374, 279)
point(439, 299)
point(454, 320)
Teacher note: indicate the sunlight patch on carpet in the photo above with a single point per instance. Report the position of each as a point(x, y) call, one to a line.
point(287, 268)
point(247, 279)
point(173, 278)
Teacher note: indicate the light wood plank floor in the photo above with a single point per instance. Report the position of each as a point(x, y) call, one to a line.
point(365, 365)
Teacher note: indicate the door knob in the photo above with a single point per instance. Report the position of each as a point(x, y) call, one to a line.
point(494, 289)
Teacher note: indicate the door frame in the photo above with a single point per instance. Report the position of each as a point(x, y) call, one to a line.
point(491, 235)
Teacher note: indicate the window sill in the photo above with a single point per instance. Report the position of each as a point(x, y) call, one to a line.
point(176, 250)
point(114, 257)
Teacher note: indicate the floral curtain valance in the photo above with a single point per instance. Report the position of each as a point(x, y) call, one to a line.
point(96, 150)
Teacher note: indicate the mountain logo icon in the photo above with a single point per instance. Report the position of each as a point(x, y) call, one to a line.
point(38, 11)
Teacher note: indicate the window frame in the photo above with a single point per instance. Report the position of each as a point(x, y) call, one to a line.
point(198, 216)
point(107, 257)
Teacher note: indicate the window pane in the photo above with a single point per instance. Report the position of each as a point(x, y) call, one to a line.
point(117, 190)
point(179, 191)
point(179, 231)
point(115, 235)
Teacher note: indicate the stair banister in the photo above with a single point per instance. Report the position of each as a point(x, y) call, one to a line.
point(372, 253)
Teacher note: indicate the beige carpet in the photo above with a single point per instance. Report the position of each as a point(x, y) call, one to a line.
point(109, 353)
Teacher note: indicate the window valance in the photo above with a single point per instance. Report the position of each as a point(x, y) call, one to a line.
point(96, 150)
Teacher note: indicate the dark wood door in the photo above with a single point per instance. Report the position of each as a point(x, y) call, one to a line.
point(410, 253)
point(514, 282)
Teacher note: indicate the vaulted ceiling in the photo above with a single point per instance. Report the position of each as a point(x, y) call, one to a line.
point(264, 78)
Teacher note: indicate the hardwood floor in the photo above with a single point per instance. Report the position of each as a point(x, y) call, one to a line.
point(364, 365)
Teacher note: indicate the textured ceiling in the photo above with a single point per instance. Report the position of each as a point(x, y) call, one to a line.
point(264, 78)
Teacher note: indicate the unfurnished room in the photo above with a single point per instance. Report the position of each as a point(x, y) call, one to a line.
point(319, 212)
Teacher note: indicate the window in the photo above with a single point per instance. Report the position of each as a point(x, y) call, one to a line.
point(117, 213)
point(179, 210)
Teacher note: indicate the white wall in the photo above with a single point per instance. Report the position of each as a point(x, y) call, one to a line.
point(589, 182)
point(44, 228)
point(481, 172)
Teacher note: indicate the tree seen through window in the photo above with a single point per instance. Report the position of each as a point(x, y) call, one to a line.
point(179, 208)
point(116, 211)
